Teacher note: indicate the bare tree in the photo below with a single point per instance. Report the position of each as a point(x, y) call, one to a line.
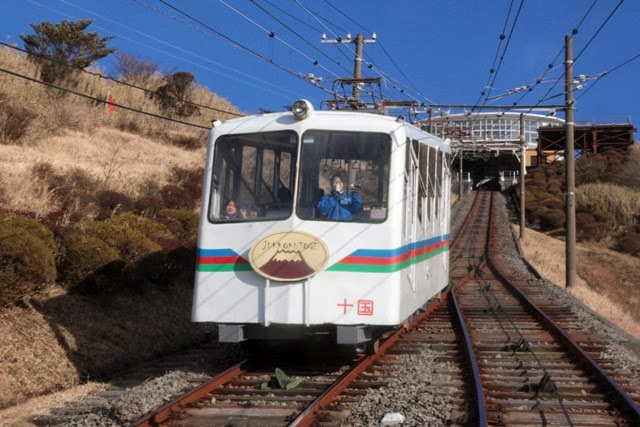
point(134, 69)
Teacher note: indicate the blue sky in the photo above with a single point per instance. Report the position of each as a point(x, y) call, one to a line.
point(429, 51)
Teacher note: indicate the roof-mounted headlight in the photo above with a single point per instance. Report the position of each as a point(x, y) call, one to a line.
point(302, 109)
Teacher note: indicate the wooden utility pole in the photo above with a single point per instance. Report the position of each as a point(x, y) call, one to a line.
point(359, 41)
point(523, 172)
point(569, 166)
point(461, 171)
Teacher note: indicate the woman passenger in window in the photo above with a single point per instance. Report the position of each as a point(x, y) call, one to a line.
point(231, 211)
point(338, 205)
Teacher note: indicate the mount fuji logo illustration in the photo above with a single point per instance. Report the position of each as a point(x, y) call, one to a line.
point(287, 265)
point(288, 256)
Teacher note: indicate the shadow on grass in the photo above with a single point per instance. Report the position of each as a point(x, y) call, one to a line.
point(125, 315)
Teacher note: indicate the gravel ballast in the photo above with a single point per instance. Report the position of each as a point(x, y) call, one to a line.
point(416, 392)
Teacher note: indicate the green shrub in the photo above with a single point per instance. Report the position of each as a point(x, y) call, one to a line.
point(133, 251)
point(188, 220)
point(89, 264)
point(629, 242)
point(26, 257)
point(131, 235)
point(551, 219)
point(9, 221)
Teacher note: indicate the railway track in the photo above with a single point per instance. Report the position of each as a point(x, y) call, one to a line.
point(532, 371)
point(325, 397)
point(499, 356)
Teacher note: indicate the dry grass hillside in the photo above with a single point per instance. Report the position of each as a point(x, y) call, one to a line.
point(122, 150)
point(58, 154)
point(121, 161)
point(607, 280)
point(54, 339)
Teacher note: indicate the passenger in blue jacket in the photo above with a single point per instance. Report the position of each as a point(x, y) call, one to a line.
point(339, 205)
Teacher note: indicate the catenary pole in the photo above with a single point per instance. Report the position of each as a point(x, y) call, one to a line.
point(523, 172)
point(359, 41)
point(569, 167)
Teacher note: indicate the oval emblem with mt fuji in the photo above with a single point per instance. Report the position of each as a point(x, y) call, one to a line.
point(288, 256)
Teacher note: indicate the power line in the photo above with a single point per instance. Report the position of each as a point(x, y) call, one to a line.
point(316, 29)
point(495, 57)
point(239, 45)
point(551, 66)
point(606, 73)
point(339, 40)
point(574, 32)
point(495, 71)
point(299, 35)
point(598, 31)
point(206, 59)
point(93, 73)
point(275, 36)
point(103, 101)
point(315, 16)
point(413, 86)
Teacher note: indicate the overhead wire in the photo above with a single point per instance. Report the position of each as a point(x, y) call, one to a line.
point(318, 30)
point(395, 83)
point(494, 72)
point(381, 44)
point(329, 30)
point(241, 46)
point(262, 82)
point(495, 57)
point(147, 46)
point(281, 40)
point(101, 100)
point(133, 86)
point(546, 97)
point(574, 32)
point(606, 73)
point(550, 67)
point(339, 39)
point(492, 69)
point(597, 31)
point(301, 37)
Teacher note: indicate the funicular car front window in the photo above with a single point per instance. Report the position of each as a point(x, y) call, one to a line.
point(343, 176)
point(253, 177)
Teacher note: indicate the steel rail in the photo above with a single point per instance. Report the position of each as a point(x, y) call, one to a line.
point(481, 404)
point(630, 405)
point(164, 412)
point(308, 416)
point(471, 220)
